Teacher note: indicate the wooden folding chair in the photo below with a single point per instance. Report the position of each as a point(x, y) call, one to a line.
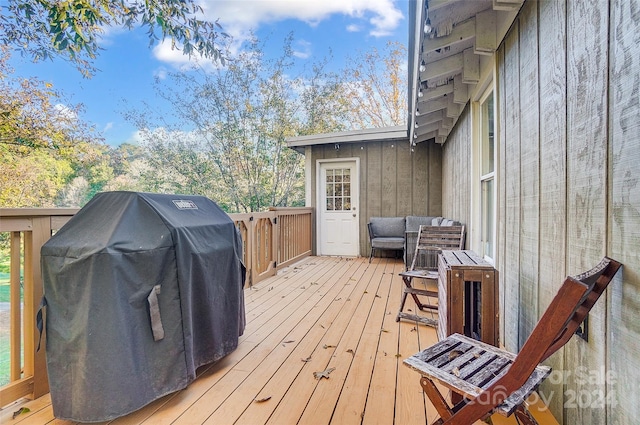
point(431, 240)
point(494, 380)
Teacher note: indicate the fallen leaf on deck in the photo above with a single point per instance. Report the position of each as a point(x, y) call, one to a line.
point(413, 329)
point(324, 374)
point(455, 353)
point(262, 400)
point(378, 296)
point(308, 359)
point(383, 330)
point(353, 353)
point(476, 355)
point(338, 299)
point(302, 287)
point(288, 342)
point(328, 346)
point(456, 371)
point(20, 411)
point(314, 283)
point(398, 355)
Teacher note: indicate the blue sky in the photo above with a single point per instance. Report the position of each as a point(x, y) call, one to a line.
point(127, 65)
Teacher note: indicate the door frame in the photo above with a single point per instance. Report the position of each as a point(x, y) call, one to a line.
point(319, 197)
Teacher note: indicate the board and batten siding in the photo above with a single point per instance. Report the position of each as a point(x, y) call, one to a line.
point(568, 99)
point(456, 183)
point(394, 180)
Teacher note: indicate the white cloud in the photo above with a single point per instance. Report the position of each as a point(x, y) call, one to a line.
point(354, 28)
point(65, 113)
point(302, 49)
point(160, 73)
point(239, 17)
point(107, 127)
point(136, 138)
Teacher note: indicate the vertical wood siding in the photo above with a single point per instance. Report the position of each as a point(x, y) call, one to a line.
point(510, 272)
point(456, 189)
point(587, 63)
point(553, 170)
point(568, 98)
point(394, 180)
point(623, 349)
point(529, 169)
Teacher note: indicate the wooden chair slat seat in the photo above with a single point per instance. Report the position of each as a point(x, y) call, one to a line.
point(494, 380)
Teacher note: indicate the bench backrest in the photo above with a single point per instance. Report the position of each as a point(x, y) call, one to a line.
point(386, 227)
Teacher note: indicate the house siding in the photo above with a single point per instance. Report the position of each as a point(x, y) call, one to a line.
point(568, 99)
point(394, 180)
point(456, 182)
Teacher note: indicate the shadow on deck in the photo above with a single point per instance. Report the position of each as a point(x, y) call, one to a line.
point(324, 314)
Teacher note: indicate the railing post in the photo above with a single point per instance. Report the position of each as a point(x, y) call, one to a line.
point(35, 361)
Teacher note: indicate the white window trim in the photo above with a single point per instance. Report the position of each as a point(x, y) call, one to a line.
point(485, 87)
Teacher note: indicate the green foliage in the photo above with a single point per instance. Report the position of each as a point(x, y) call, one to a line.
point(42, 143)
point(33, 115)
point(44, 29)
point(32, 180)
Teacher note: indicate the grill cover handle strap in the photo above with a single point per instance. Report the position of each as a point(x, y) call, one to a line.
point(154, 314)
point(40, 320)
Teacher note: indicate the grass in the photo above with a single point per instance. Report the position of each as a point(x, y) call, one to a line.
point(4, 276)
point(5, 342)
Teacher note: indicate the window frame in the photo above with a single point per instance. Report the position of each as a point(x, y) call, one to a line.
point(479, 177)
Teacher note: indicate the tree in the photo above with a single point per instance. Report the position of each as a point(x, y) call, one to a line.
point(377, 95)
point(32, 180)
point(239, 117)
point(44, 29)
point(41, 141)
point(34, 115)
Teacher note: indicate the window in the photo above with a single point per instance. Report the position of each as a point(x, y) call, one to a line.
point(338, 186)
point(487, 176)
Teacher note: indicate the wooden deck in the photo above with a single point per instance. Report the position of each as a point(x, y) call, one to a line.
point(324, 314)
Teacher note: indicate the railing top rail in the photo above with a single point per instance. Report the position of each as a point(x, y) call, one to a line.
point(37, 212)
point(301, 210)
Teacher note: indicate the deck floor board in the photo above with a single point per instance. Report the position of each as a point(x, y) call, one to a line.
point(322, 313)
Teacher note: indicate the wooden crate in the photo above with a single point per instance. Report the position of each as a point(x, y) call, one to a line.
point(467, 296)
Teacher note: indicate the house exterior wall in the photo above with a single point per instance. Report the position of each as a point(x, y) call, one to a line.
point(456, 181)
point(568, 102)
point(394, 181)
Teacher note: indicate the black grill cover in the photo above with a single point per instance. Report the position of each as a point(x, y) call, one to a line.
point(141, 289)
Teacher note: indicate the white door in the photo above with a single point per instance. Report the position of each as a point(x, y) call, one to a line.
point(338, 206)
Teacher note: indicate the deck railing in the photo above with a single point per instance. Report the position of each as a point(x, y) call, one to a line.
point(271, 240)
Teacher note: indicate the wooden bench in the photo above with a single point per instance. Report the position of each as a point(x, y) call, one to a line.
point(494, 380)
point(431, 240)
